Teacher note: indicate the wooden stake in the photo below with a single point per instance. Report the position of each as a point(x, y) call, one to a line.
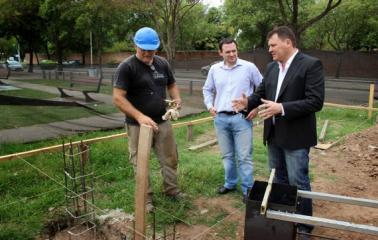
point(323, 132)
point(371, 100)
point(264, 204)
point(189, 133)
point(143, 156)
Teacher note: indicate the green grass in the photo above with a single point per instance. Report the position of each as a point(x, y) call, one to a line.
point(20, 116)
point(31, 192)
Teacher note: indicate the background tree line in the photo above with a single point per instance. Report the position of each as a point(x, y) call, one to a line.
point(58, 28)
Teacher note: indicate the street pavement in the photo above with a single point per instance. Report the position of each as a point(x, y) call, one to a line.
point(342, 91)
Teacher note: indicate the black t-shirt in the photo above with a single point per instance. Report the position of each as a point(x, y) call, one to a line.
point(145, 85)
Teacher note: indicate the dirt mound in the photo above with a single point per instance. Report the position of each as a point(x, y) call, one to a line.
point(349, 169)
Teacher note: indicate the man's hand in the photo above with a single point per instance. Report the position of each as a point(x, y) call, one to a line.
point(145, 120)
point(178, 103)
point(240, 104)
point(269, 109)
point(252, 114)
point(213, 111)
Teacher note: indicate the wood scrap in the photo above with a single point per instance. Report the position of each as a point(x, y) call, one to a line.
point(202, 145)
point(323, 132)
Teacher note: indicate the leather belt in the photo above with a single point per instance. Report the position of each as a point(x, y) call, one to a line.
point(233, 112)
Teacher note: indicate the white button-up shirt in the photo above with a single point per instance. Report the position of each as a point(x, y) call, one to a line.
point(223, 84)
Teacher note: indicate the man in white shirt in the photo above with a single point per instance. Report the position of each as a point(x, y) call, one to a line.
point(228, 80)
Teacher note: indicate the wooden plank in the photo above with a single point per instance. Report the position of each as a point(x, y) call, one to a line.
point(371, 101)
point(58, 147)
point(349, 106)
point(324, 129)
point(323, 146)
point(202, 145)
point(143, 156)
point(194, 122)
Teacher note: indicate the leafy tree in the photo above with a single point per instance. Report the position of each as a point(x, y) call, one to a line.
point(250, 21)
point(60, 21)
point(20, 19)
point(300, 17)
point(208, 29)
point(352, 26)
point(167, 17)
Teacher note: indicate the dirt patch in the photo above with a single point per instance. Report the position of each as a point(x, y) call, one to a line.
point(350, 169)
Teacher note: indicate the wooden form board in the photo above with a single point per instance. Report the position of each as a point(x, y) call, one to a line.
point(323, 132)
point(57, 148)
point(143, 156)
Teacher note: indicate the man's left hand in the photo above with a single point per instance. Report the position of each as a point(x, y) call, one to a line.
point(270, 109)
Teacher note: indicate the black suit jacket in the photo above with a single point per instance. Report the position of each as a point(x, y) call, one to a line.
point(301, 94)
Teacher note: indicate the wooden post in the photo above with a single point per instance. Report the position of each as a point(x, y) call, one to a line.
point(143, 156)
point(264, 204)
point(371, 100)
point(189, 132)
point(323, 132)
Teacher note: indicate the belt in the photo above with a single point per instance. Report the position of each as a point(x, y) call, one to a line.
point(232, 112)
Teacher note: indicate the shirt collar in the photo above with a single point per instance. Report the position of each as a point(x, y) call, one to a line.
point(289, 61)
point(238, 63)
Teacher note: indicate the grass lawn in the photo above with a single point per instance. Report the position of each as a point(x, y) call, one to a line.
point(19, 116)
point(32, 193)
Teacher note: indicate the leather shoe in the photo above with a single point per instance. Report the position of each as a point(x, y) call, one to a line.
point(224, 190)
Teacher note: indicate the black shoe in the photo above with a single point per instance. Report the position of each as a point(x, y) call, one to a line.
point(224, 190)
point(304, 232)
point(304, 228)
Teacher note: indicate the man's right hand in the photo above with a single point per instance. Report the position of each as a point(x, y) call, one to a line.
point(145, 120)
point(213, 111)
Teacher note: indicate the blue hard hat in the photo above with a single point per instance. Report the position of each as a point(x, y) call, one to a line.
point(147, 39)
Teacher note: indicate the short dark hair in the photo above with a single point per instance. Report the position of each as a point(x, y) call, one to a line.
point(283, 32)
point(226, 41)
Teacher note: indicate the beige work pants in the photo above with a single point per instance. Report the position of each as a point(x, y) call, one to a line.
point(165, 148)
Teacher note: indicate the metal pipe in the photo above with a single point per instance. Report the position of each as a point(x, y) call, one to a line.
point(323, 222)
point(337, 198)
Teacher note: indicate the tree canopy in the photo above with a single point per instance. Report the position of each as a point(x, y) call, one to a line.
point(58, 28)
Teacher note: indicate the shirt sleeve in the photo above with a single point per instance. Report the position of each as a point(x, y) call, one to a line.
point(121, 77)
point(208, 90)
point(256, 76)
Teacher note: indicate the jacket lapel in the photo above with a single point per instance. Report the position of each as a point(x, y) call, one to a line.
point(290, 73)
point(274, 77)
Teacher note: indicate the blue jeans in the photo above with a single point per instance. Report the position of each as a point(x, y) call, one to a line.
point(234, 135)
point(292, 168)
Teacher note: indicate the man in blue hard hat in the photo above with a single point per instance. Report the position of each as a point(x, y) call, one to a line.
point(139, 91)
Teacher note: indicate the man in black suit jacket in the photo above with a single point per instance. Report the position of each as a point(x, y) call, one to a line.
point(291, 92)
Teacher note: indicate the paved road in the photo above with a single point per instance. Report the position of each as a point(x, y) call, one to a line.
point(352, 91)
